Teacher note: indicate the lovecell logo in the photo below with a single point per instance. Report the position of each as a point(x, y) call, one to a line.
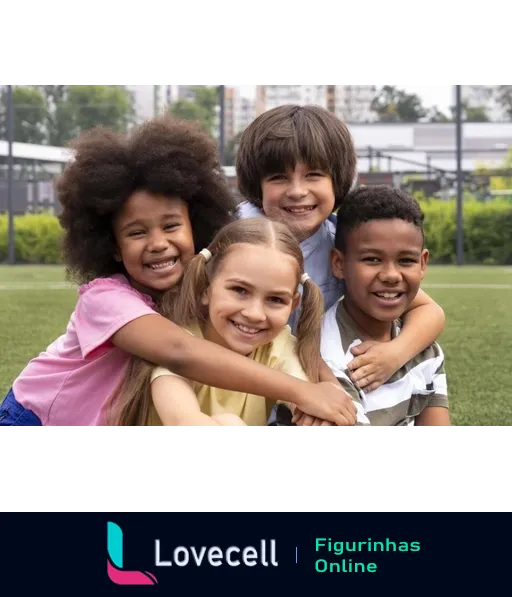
point(264, 555)
point(115, 564)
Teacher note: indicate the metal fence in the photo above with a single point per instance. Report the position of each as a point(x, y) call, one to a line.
point(30, 197)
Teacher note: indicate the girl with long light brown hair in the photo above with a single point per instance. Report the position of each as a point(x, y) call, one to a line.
point(239, 293)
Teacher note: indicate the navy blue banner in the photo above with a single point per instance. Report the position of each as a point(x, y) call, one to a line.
point(188, 554)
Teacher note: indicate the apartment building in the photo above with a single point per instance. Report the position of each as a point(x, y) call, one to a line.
point(353, 103)
point(150, 99)
point(153, 97)
point(350, 100)
point(272, 96)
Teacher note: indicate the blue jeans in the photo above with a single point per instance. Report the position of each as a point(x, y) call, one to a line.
point(12, 414)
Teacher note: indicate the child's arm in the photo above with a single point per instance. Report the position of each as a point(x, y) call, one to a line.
point(350, 413)
point(342, 378)
point(434, 416)
point(159, 341)
point(376, 363)
point(176, 403)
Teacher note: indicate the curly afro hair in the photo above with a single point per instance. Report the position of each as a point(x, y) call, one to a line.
point(165, 157)
point(376, 203)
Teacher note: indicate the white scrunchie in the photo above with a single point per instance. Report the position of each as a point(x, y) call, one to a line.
point(207, 255)
point(304, 279)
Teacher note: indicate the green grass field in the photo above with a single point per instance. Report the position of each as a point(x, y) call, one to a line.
point(35, 306)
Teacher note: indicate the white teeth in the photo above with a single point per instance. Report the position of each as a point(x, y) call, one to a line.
point(388, 295)
point(245, 329)
point(299, 210)
point(158, 266)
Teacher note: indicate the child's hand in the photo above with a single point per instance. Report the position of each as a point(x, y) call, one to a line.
point(374, 365)
point(303, 420)
point(329, 402)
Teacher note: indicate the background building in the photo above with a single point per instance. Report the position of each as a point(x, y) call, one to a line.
point(349, 102)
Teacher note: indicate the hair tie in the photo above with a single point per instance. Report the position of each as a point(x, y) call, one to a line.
point(206, 254)
point(304, 279)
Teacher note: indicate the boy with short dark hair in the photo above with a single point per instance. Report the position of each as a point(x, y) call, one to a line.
point(381, 257)
point(296, 164)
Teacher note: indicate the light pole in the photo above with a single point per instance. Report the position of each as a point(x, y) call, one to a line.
point(460, 177)
point(10, 201)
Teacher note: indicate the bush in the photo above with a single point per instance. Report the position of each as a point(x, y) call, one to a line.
point(487, 231)
point(487, 234)
point(37, 239)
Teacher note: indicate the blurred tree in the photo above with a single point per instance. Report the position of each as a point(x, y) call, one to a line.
point(30, 115)
point(191, 110)
point(435, 115)
point(395, 105)
point(200, 109)
point(54, 114)
point(89, 106)
point(76, 108)
point(476, 114)
point(207, 97)
point(504, 99)
point(53, 93)
point(471, 113)
point(60, 121)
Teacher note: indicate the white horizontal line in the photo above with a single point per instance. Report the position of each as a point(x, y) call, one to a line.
point(469, 286)
point(36, 286)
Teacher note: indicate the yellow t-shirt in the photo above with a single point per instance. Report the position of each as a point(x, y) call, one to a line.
point(253, 410)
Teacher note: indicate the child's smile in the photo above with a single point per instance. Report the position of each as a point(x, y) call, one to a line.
point(302, 199)
point(251, 298)
point(155, 241)
point(383, 265)
point(163, 266)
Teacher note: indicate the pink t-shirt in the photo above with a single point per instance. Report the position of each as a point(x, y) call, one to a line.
point(70, 383)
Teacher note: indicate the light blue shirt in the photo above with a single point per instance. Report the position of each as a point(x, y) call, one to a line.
point(317, 259)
